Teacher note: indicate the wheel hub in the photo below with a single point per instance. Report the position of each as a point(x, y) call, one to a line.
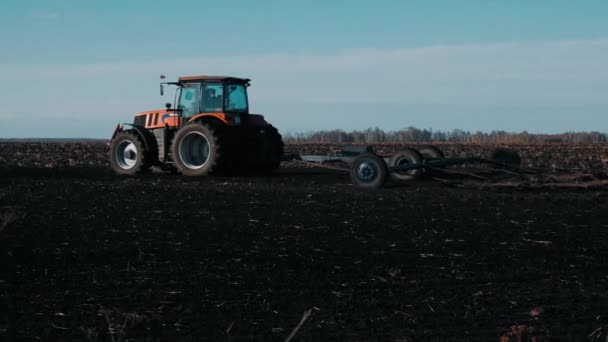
point(194, 150)
point(403, 162)
point(367, 171)
point(126, 154)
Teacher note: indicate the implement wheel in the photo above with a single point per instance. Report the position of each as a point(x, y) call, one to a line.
point(508, 158)
point(368, 171)
point(431, 153)
point(406, 157)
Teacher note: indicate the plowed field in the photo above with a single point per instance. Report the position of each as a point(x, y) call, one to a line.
point(89, 256)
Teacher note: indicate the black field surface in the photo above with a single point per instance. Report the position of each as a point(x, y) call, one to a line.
point(89, 256)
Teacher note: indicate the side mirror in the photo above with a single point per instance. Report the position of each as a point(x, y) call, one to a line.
point(162, 89)
point(168, 105)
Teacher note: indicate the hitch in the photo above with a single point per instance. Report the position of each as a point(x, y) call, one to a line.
point(116, 131)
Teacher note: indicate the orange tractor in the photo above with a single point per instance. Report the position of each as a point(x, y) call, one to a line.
point(209, 129)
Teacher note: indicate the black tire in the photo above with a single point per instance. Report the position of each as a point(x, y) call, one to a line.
point(507, 159)
point(403, 157)
point(274, 149)
point(430, 152)
point(368, 171)
point(197, 150)
point(268, 151)
point(128, 155)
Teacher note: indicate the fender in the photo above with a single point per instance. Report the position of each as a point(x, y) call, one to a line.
point(212, 120)
point(216, 116)
point(138, 129)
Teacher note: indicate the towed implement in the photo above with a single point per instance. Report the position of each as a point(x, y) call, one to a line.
point(209, 129)
point(369, 170)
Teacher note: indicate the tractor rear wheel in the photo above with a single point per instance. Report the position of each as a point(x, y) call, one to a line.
point(196, 150)
point(128, 155)
point(270, 150)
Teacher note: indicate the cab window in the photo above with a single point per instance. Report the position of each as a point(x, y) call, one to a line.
point(237, 98)
point(213, 98)
point(189, 100)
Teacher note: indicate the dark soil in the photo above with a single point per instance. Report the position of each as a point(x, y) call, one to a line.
point(89, 256)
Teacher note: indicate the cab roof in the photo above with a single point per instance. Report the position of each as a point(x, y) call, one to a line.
point(213, 78)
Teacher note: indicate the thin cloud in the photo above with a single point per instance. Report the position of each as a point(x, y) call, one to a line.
point(43, 15)
point(584, 59)
point(561, 73)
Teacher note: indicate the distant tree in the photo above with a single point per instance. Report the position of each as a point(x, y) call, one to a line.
point(413, 134)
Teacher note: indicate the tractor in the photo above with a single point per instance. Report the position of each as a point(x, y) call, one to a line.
point(207, 130)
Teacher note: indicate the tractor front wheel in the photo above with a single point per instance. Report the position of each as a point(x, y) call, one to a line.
point(128, 155)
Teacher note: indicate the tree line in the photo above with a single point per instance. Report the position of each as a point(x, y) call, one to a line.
point(413, 134)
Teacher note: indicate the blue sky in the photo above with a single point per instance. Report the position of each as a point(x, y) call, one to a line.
point(73, 68)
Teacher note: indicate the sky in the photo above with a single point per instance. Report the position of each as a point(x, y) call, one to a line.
point(75, 68)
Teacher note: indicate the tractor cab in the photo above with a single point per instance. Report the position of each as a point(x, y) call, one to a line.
point(222, 97)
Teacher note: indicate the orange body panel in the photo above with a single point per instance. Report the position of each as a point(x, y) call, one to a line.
point(160, 118)
point(219, 115)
